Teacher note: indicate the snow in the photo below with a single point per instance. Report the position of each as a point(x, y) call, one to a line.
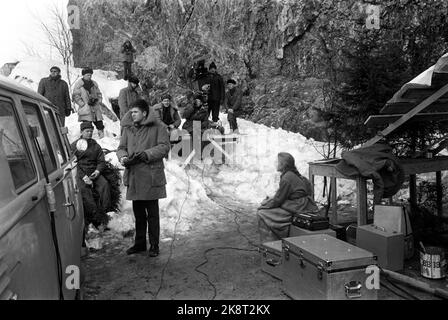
point(425, 77)
point(249, 178)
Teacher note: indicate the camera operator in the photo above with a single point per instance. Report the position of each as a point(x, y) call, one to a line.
point(87, 95)
point(127, 51)
point(197, 111)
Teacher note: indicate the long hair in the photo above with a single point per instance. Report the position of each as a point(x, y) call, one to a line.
point(287, 163)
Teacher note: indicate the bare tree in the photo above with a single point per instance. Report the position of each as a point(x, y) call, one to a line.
point(59, 37)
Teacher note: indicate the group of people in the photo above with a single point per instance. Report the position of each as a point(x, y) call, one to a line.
point(146, 136)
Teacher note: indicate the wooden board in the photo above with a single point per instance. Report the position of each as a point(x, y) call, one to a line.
point(405, 107)
point(379, 120)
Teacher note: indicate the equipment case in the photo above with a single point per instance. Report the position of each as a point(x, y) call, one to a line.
point(310, 221)
point(321, 267)
point(271, 258)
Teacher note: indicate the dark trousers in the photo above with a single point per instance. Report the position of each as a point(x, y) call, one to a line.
point(146, 212)
point(127, 70)
point(232, 121)
point(213, 108)
point(62, 119)
point(98, 124)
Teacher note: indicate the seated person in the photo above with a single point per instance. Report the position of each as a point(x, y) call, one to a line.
point(293, 196)
point(197, 111)
point(95, 189)
point(169, 114)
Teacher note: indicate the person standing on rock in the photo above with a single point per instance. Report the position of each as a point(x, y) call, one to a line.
point(129, 95)
point(143, 145)
point(233, 104)
point(216, 94)
point(56, 90)
point(87, 95)
point(127, 51)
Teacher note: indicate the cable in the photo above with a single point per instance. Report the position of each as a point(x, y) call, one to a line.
point(206, 261)
point(174, 238)
point(396, 286)
point(397, 294)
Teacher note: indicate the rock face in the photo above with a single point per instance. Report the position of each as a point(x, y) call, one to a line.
point(279, 51)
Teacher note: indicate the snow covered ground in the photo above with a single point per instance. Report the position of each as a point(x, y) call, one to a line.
point(250, 178)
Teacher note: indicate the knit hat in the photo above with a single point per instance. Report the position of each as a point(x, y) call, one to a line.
point(87, 71)
point(86, 125)
point(133, 79)
point(55, 68)
point(212, 66)
point(166, 96)
point(231, 81)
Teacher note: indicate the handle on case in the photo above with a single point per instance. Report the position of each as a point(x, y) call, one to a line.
point(272, 262)
point(353, 289)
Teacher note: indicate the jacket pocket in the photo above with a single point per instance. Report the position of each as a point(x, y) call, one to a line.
point(158, 177)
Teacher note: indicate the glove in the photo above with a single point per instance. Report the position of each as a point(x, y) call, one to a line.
point(92, 101)
point(124, 161)
point(68, 112)
point(141, 156)
point(94, 175)
point(87, 180)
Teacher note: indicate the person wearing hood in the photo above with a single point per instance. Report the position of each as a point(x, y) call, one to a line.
point(95, 189)
point(87, 95)
point(293, 196)
point(169, 114)
point(129, 95)
point(143, 145)
point(127, 52)
point(56, 90)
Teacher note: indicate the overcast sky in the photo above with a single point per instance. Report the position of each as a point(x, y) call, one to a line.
point(19, 25)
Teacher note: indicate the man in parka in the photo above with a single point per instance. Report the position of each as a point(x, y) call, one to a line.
point(87, 95)
point(143, 145)
point(169, 114)
point(56, 90)
point(129, 95)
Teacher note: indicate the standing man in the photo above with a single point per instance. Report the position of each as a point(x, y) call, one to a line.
point(127, 51)
point(88, 97)
point(143, 145)
point(56, 90)
point(216, 93)
point(129, 95)
point(233, 104)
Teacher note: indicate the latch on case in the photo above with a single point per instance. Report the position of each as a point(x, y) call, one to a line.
point(320, 270)
point(272, 262)
point(353, 289)
point(286, 250)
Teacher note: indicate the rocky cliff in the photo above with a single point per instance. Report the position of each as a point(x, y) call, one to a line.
point(282, 52)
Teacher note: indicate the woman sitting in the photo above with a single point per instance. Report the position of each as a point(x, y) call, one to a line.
point(293, 196)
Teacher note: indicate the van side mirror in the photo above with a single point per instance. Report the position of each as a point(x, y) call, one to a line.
point(34, 132)
point(64, 130)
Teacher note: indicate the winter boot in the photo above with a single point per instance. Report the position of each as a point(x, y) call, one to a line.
point(153, 251)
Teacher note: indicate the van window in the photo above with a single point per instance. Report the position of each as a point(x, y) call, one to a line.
point(54, 136)
point(34, 118)
point(14, 148)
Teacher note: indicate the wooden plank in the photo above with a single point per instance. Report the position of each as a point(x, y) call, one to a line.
point(405, 107)
point(413, 189)
point(334, 202)
point(378, 120)
point(439, 193)
point(311, 177)
point(442, 91)
point(361, 199)
point(417, 166)
point(327, 170)
point(420, 93)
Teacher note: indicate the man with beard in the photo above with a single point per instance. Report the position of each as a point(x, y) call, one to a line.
point(56, 90)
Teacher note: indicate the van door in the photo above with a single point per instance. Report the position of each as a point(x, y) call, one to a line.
point(27, 257)
point(68, 222)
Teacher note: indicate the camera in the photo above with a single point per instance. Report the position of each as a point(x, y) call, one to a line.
point(92, 101)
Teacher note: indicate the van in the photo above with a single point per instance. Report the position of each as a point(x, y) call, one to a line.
point(41, 213)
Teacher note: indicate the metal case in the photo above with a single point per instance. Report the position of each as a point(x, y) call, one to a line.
point(295, 231)
point(271, 258)
point(321, 267)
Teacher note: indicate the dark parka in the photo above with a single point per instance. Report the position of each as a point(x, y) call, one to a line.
point(126, 97)
point(233, 100)
point(195, 114)
point(90, 160)
point(145, 180)
point(217, 89)
point(56, 90)
point(174, 111)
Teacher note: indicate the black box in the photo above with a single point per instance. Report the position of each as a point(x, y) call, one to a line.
point(310, 221)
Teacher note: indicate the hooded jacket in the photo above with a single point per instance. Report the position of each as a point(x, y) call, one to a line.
point(145, 180)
